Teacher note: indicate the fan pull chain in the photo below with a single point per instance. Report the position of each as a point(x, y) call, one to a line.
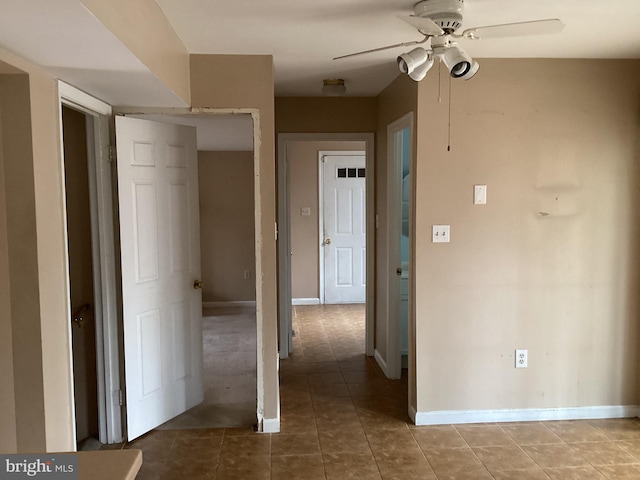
point(449, 133)
point(439, 82)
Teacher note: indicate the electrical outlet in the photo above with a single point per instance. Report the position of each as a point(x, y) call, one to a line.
point(247, 274)
point(522, 358)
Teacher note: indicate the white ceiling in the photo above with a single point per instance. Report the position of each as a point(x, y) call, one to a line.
point(302, 35)
point(219, 132)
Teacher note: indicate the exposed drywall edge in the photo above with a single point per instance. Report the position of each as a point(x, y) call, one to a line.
point(234, 303)
point(305, 301)
point(445, 417)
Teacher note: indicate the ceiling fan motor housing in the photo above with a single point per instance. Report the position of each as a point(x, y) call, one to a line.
point(447, 14)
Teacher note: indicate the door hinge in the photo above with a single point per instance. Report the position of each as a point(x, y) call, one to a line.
point(276, 225)
point(111, 154)
point(121, 398)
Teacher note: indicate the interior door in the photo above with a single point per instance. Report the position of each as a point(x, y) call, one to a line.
point(160, 250)
point(344, 224)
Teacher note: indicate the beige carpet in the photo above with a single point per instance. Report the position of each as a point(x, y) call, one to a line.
point(229, 341)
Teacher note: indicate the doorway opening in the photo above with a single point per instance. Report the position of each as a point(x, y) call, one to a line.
point(228, 270)
point(108, 341)
point(81, 278)
point(398, 315)
point(301, 225)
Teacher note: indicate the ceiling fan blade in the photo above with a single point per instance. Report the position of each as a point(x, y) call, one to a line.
point(388, 47)
point(536, 27)
point(425, 25)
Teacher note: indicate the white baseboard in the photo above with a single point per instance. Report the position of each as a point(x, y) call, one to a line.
point(443, 417)
point(305, 301)
point(234, 303)
point(412, 414)
point(270, 425)
point(381, 362)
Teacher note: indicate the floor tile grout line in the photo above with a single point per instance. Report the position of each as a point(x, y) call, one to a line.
point(524, 451)
point(472, 451)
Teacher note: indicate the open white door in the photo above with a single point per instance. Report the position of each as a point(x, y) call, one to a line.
point(344, 224)
point(160, 248)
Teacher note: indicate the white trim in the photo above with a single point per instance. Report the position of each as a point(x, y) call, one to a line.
point(270, 425)
point(413, 414)
point(381, 361)
point(233, 303)
point(445, 417)
point(394, 229)
point(104, 259)
point(262, 355)
point(305, 301)
point(285, 327)
point(75, 98)
point(284, 259)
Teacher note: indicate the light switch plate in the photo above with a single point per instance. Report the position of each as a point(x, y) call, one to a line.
point(440, 233)
point(305, 211)
point(479, 194)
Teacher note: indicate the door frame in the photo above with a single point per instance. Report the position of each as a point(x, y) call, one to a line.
point(392, 365)
point(321, 154)
point(284, 233)
point(265, 425)
point(105, 275)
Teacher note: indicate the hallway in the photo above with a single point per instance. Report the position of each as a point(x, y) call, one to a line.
point(342, 419)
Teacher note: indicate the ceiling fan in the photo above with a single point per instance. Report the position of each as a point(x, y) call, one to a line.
point(438, 21)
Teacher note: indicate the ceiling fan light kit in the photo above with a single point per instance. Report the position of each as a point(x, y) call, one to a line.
point(438, 20)
point(460, 64)
point(408, 62)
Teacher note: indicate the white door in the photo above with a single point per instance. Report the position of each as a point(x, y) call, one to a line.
point(344, 225)
point(159, 237)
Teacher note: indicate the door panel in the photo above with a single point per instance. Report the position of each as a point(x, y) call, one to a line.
point(344, 223)
point(159, 229)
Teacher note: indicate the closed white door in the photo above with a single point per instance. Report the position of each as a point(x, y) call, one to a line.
point(162, 302)
point(344, 228)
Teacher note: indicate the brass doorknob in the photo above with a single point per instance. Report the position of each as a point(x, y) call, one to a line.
point(197, 284)
point(327, 241)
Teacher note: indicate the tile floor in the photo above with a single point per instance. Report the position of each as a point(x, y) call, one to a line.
point(342, 419)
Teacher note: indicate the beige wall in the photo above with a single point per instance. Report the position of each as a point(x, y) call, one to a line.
point(325, 114)
point(227, 237)
point(23, 265)
point(8, 437)
point(555, 136)
point(142, 27)
point(246, 82)
point(397, 100)
point(302, 158)
point(37, 262)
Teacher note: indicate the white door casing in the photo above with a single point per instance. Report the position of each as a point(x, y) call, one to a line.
point(160, 251)
point(388, 355)
point(343, 229)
